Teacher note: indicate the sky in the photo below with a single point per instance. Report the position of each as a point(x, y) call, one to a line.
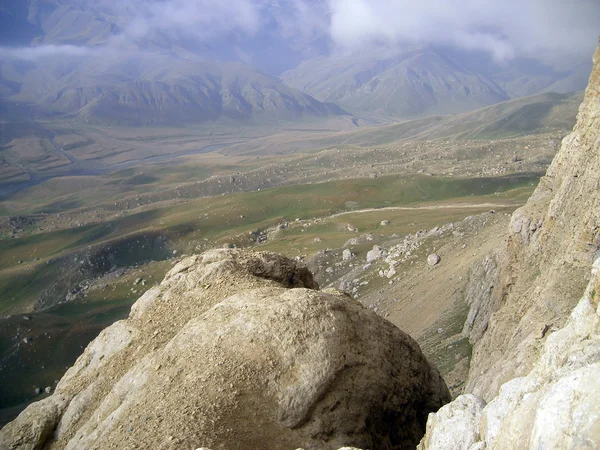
point(549, 30)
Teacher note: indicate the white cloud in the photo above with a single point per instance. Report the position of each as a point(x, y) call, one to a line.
point(44, 51)
point(201, 19)
point(504, 28)
point(551, 30)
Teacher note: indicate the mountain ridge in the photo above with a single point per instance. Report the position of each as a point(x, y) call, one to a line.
point(151, 89)
point(422, 81)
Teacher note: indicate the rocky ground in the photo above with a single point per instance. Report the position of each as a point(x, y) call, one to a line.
point(418, 282)
point(462, 288)
point(527, 154)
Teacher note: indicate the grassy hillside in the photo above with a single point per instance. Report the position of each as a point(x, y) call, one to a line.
point(537, 114)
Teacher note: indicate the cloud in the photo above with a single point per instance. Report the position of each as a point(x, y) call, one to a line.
point(504, 28)
point(199, 19)
point(550, 30)
point(44, 51)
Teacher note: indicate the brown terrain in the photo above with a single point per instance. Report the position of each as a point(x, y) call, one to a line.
point(501, 302)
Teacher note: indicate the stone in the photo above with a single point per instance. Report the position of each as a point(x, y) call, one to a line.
point(375, 254)
point(433, 259)
point(315, 368)
point(454, 426)
point(48, 390)
point(383, 223)
point(347, 254)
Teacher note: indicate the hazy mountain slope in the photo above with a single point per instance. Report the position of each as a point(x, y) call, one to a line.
point(416, 83)
point(542, 113)
point(528, 115)
point(426, 81)
point(91, 76)
point(142, 89)
point(82, 22)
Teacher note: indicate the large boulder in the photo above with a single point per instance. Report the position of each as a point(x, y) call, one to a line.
point(239, 350)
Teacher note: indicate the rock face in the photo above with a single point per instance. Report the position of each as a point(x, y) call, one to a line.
point(239, 350)
point(545, 267)
point(534, 319)
point(556, 405)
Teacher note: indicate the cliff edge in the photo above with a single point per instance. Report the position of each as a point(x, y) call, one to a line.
point(534, 318)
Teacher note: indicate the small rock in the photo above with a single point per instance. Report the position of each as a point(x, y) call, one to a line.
point(37, 391)
point(433, 259)
point(375, 254)
point(384, 222)
point(48, 390)
point(347, 254)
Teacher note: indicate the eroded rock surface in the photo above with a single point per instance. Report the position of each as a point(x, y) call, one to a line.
point(556, 406)
point(239, 350)
point(544, 268)
point(535, 315)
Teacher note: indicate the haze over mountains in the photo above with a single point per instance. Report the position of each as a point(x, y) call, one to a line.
point(180, 61)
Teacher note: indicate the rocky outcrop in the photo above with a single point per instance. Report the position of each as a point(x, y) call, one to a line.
point(544, 268)
point(239, 350)
point(534, 318)
point(556, 405)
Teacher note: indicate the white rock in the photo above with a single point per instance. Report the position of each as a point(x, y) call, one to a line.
point(375, 254)
point(433, 259)
point(455, 426)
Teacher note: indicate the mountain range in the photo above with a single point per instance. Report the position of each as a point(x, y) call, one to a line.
point(80, 63)
point(423, 81)
point(149, 89)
